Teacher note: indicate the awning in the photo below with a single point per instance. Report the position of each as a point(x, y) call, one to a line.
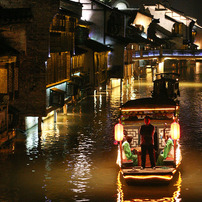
point(56, 97)
point(58, 90)
point(96, 46)
point(130, 38)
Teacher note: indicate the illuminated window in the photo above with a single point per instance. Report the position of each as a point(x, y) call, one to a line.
point(177, 28)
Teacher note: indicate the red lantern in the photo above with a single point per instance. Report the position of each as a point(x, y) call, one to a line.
point(118, 132)
point(175, 131)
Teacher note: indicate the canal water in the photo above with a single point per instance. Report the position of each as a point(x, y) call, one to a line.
point(74, 159)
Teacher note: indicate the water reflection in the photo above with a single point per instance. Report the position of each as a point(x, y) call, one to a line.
point(32, 139)
point(81, 164)
point(127, 193)
point(74, 159)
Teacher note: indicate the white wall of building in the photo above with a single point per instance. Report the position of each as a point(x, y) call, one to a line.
point(167, 24)
point(142, 20)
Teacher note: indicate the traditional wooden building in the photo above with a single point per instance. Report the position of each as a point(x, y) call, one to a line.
point(12, 27)
point(175, 26)
point(60, 63)
point(25, 28)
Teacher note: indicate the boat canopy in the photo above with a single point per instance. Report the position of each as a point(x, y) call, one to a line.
point(155, 108)
point(148, 104)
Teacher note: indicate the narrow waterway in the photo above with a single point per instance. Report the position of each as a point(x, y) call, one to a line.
point(74, 159)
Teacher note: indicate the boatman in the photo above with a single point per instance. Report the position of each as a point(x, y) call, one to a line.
point(147, 142)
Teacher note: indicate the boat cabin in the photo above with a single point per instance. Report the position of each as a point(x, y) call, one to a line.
point(166, 86)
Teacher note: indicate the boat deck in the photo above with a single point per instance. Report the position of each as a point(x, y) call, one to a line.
point(161, 175)
point(148, 171)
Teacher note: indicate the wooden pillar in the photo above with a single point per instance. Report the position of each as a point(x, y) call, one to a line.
point(121, 87)
point(39, 123)
point(175, 153)
point(121, 152)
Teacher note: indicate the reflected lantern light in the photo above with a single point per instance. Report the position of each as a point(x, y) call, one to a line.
point(175, 130)
point(118, 132)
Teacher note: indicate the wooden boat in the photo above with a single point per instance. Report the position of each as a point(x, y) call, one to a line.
point(162, 111)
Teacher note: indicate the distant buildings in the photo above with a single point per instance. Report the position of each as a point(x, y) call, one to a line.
point(54, 54)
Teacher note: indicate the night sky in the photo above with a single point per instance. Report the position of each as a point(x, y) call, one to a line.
point(192, 8)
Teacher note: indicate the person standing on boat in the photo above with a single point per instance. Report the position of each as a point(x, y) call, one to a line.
point(147, 142)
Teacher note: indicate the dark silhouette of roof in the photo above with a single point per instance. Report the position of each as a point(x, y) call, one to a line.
point(96, 46)
point(148, 103)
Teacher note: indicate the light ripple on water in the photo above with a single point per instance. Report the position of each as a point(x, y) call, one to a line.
point(74, 154)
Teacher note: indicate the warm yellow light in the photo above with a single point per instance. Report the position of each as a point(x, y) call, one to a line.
point(161, 67)
point(175, 130)
point(143, 177)
point(174, 171)
point(118, 160)
point(118, 132)
point(149, 109)
point(178, 156)
point(120, 194)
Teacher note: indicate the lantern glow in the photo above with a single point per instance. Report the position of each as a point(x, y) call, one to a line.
point(118, 132)
point(175, 131)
